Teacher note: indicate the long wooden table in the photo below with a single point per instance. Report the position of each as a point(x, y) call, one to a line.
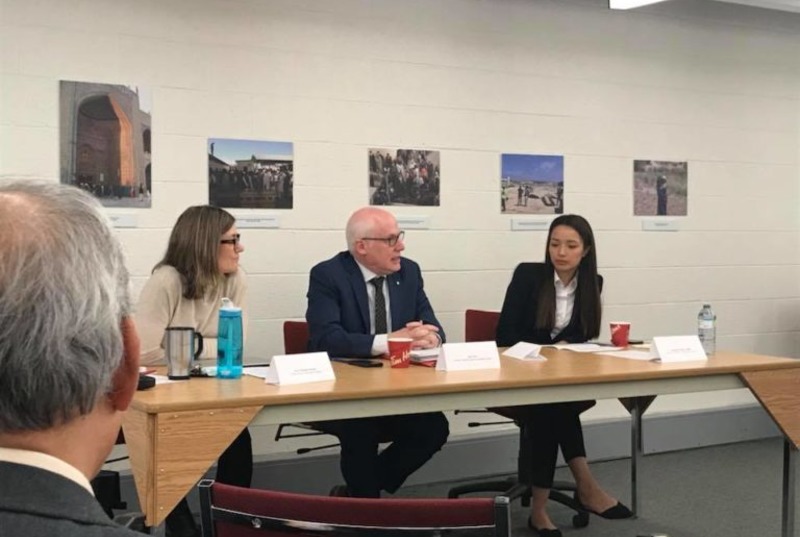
point(175, 432)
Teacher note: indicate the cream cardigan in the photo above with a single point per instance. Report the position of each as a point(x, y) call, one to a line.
point(162, 304)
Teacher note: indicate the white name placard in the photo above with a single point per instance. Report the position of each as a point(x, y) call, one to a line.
point(466, 356)
point(525, 351)
point(299, 368)
point(670, 349)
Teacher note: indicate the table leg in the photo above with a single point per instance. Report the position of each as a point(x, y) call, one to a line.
point(636, 406)
point(636, 452)
point(789, 489)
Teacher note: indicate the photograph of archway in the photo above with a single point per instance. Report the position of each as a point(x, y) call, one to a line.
point(404, 177)
point(660, 188)
point(531, 184)
point(250, 174)
point(105, 141)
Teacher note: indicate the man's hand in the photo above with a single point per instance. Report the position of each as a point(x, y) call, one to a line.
point(423, 336)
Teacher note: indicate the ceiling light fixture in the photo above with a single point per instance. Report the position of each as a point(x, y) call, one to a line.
point(630, 4)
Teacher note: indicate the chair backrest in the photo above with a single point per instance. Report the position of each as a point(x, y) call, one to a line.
point(295, 337)
point(480, 325)
point(228, 511)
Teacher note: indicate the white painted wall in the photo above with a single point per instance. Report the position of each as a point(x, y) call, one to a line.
point(715, 84)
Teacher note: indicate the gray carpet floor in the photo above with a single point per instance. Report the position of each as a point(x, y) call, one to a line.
point(722, 491)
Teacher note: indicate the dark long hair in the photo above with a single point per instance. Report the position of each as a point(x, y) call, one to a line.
point(587, 295)
point(193, 248)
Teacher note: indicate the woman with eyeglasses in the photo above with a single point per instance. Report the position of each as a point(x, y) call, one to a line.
point(200, 267)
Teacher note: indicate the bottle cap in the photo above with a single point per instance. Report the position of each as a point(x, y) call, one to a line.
point(227, 304)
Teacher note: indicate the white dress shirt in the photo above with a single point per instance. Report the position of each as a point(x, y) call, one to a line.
point(45, 462)
point(380, 344)
point(565, 301)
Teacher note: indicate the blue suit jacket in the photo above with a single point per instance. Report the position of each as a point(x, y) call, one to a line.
point(338, 306)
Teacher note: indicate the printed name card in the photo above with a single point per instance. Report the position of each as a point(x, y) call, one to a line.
point(299, 368)
point(467, 356)
point(671, 349)
point(525, 351)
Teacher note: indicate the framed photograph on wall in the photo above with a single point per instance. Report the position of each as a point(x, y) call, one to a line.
point(250, 174)
point(105, 141)
point(404, 177)
point(660, 188)
point(531, 184)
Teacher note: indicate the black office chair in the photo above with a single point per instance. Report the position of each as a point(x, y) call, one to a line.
point(295, 341)
point(481, 326)
point(108, 491)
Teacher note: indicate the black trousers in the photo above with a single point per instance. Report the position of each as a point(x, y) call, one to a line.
point(545, 429)
point(234, 467)
point(414, 440)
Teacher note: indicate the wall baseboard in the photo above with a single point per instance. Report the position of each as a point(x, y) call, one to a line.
point(605, 440)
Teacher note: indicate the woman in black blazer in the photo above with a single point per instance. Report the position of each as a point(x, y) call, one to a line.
point(545, 303)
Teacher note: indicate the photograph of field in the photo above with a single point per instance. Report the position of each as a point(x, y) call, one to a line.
point(660, 188)
point(531, 184)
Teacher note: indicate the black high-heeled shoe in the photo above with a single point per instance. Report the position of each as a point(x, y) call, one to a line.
point(543, 532)
point(616, 512)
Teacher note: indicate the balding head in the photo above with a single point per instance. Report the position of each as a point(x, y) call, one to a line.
point(63, 295)
point(370, 233)
point(364, 222)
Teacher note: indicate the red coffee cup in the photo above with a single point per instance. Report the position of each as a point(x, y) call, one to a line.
point(400, 351)
point(620, 331)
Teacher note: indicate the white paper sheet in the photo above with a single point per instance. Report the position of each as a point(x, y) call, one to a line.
point(525, 351)
point(630, 354)
point(258, 371)
point(425, 354)
point(163, 379)
point(585, 347)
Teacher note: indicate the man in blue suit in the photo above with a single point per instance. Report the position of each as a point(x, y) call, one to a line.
point(356, 301)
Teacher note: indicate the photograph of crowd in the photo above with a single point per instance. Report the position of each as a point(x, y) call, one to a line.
point(104, 141)
point(403, 177)
point(531, 184)
point(250, 174)
point(660, 188)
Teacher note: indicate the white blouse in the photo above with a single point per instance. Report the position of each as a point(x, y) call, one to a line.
point(565, 300)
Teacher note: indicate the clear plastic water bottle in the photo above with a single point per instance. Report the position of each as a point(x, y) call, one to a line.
point(707, 329)
point(229, 341)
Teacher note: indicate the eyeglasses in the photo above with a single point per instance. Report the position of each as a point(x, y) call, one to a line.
point(391, 240)
point(233, 240)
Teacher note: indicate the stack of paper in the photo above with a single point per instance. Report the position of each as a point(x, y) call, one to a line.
point(426, 357)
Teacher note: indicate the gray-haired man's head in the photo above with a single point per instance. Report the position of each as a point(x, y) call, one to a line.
point(63, 295)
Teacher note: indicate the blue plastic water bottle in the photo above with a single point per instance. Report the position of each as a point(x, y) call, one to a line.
point(229, 341)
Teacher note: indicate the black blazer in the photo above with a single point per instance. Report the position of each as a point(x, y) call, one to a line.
point(518, 317)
